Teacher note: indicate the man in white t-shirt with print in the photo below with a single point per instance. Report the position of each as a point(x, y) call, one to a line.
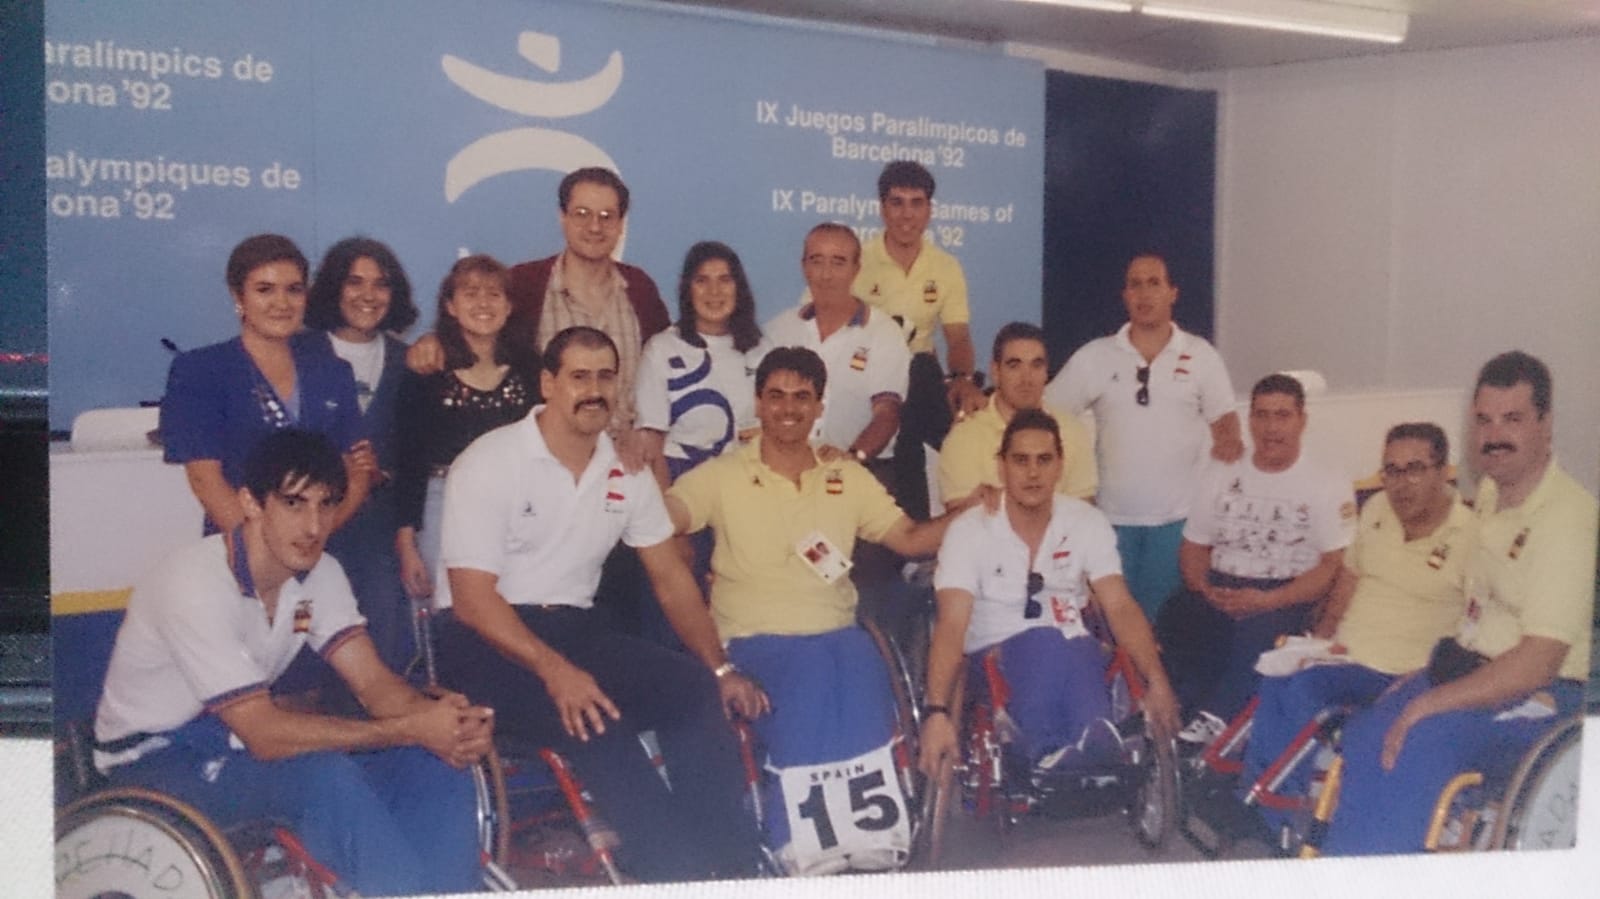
point(531, 511)
point(1264, 541)
point(1159, 394)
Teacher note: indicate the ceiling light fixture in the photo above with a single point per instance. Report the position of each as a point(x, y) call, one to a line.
point(1102, 5)
point(1304, 16)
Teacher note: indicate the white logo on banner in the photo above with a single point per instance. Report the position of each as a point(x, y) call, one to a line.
point(522, 149)
point(845, 815)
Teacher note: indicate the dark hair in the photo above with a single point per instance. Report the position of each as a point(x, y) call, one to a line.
point(833, 228)
point(1017, 331)
point(580, 335)
point(445, 326)
point(593, 175)
point(1438, 443)
point(904, 173)
point(322, 302)
point(742, 325)
point(1157, 255)
point(803, 362)
point(288, 456)
point(1516, 367)
point(262, 249)
point(1280, 383)
point(1031, 420)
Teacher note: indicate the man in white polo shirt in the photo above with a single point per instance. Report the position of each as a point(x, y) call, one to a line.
point(531, 511)
point(1018, 581)
point(863, 350)
point(1158, 394)
point(187, 708)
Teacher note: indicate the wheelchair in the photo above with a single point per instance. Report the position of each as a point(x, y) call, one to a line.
point(874, 801)
point(132, 841)
point(1533, 806)
point(1313, 748)
point(994, 782)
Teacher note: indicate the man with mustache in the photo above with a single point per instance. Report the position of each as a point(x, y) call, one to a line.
point(1264, 539)
point(785, 523)
point(1520, 657)
point(187, 707)
point(531, 511)
point(1159, 394)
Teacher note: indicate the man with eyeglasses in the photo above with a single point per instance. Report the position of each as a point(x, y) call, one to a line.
point(1398, 592)
point(1019, 580)
point(1159, 394)
point(1019, 370)
point(1263, 542)
point(582, 285)
point(1519, 659)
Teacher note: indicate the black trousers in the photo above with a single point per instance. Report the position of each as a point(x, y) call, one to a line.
point(697, 829)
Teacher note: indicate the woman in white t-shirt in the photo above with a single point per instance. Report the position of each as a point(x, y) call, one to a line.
point(359, 302)
point(696, 386)
point(696, 393)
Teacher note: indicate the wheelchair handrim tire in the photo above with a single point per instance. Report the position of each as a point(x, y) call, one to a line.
point(1157, 798)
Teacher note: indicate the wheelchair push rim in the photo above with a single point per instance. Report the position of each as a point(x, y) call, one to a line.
point(137, 842)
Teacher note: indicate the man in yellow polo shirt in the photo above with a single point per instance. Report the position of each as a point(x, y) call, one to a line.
point(1521, 655)
point(786, 523)
point(1019, 370)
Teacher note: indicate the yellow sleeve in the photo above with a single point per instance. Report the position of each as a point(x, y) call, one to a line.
point(1561, 594)
point(962, 464)
point(955, 310)
point(697, 490)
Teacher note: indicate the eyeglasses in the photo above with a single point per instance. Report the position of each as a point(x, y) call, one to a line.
point(1142, 396)
point(1412, 471)
point(1033, 609)
point(583, 215)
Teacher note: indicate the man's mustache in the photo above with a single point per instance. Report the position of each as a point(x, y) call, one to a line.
point(597, 401)
point(1492, 447)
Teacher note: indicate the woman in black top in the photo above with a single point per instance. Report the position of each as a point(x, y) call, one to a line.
point(441, 413)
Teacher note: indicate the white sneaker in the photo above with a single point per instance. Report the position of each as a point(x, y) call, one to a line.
point(1203, 729)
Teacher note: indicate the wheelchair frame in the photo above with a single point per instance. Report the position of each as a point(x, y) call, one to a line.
point(981, 779)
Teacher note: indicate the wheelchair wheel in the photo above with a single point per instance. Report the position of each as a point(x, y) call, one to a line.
point(138, 843)
point(493, 808)
point(1540, 809)
point(908, 721)
point(1153, 807)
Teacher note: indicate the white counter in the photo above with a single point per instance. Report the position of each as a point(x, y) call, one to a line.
point(113, 514)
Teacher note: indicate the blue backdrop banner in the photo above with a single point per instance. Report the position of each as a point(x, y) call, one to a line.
point(176, 129)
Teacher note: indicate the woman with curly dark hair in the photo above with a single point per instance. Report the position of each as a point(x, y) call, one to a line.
point(359, 302)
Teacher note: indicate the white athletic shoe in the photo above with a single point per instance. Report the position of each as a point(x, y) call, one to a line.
point(1202, 730)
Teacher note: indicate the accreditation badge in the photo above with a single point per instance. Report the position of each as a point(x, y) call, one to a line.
point(823, 558)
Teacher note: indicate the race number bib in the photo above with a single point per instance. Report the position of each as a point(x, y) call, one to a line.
point(848, 815)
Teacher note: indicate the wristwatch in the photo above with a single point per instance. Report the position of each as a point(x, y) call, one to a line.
point(725, 669)
point(860, 455)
